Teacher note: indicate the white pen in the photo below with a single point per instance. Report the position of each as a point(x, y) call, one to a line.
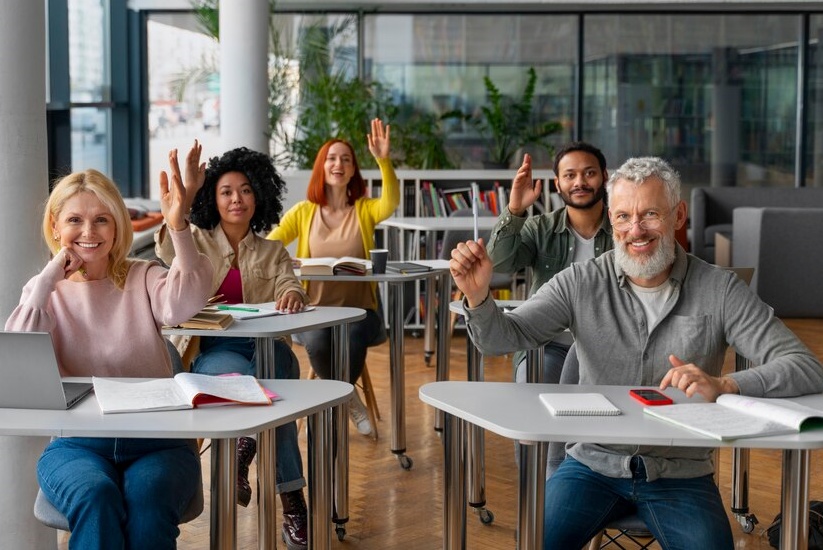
point(475, 208)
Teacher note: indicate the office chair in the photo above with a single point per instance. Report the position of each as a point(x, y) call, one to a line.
point(451, 238)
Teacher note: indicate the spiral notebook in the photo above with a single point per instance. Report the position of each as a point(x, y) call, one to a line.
point(579, 404)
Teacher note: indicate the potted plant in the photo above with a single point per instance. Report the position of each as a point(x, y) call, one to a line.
point(508, 123)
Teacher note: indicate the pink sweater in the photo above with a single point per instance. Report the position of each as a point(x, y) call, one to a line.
point(99, 330)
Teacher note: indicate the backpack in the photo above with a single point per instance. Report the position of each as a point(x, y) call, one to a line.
point(815, 527)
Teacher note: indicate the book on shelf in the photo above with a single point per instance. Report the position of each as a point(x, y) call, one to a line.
point(347, 265)
point(208, 319)
point(406, 267)
point(252, 311)
point(734, 416)
point(186, 390)
point(579, 404)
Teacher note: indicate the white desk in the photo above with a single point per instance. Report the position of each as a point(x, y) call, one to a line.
point(265, 331)
point(395, 283)
point(222, 425)
point(515, 411)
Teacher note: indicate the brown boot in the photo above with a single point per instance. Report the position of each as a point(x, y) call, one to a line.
point(246, 449)
point(295, 524)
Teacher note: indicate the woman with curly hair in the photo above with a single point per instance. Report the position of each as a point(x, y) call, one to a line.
point(235, 198)
point(338, 219)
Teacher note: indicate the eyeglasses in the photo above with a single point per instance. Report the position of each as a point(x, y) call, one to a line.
point(651, 221)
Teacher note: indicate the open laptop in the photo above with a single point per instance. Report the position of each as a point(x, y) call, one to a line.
point(31, 377)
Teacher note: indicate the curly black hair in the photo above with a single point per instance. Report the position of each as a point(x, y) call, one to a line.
point(266, 183)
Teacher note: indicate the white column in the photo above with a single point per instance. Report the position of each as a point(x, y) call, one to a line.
point(23, 190)
point(244, 47)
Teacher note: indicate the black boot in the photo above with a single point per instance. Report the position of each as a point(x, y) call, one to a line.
point(246, 449)
point(295, 524)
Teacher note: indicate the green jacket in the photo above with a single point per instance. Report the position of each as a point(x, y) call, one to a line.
point(545, 243)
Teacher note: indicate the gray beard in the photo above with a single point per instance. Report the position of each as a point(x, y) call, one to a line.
point(650, 267)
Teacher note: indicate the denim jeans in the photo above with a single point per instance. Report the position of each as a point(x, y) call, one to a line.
point(120, 493)
point(680, 513)
point(362, 334)
point(222, 355)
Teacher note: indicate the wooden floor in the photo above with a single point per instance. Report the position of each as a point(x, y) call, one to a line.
point(391, 508)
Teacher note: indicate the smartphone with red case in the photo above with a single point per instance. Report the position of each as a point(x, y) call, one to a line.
point(650, 397)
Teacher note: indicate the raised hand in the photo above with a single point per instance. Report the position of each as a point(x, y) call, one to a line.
point(471, 270)
point(195, 173)
point(525, 190)
point(173, 202)
point(379, 139)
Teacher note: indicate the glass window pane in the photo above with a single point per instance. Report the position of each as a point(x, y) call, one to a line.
point(814, 105)
point(90, 131)
point(437, 63)
point(184, 89)
point(88, 49)
point(714, 94)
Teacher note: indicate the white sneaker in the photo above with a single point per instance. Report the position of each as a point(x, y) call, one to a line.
point(358, 415)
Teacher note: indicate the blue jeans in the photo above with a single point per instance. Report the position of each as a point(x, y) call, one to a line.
point(120, 493)
point(362, 334)
point(223, 355)
point(680, 513)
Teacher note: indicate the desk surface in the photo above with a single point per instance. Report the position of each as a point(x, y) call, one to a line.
point(434, 223)
point(516, 412)
point(299, 398)
point(280, 325)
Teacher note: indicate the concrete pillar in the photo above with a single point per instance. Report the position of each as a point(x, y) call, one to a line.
point(23, 191)
point(244, 47)
point(726, 110)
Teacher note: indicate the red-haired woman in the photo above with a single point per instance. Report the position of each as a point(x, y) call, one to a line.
point(337, 219)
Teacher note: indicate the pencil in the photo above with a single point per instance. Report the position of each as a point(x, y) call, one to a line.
point(475, 208)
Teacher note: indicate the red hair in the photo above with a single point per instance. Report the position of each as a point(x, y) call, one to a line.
point(316, 192)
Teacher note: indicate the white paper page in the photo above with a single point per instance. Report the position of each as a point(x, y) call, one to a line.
point(717, 421)
point(115, 396)
point(243, 389)
point(779, 410)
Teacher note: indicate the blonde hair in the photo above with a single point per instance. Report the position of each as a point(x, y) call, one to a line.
point(92, 181)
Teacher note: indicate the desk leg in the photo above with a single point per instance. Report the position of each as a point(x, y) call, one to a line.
point(397, 375)
point(534, 366)
point(428, 326)
point(223, 494)
point(795, 500)
point(340, 415)
point(475, 439)
point(531, 494)
point(267, 526)
point(444, 336)
point(320, 479)
point(454, 484)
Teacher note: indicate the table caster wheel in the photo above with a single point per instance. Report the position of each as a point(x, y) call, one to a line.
point(427, 358)
point(341, 532)
point(747, 522)
point(405, 462)
point(486, 516)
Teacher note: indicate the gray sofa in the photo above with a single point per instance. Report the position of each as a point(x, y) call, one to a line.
point(712, 207)
point(785, 248)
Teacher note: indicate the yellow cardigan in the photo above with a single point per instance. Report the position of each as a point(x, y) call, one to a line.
point(296, 223)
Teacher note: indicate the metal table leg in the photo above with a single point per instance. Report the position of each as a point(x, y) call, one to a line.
point(267, 529)
point(397, 375)
point(340, 414)
point(531, 494)
point(223, 534)
point(444, 336)
point(428, 326)
point(454, 484)
point(794, 534)
point(475, 440)
point(740, 472)
point(320, 479)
